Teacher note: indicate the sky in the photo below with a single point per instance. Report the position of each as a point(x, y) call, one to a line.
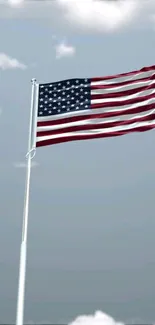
point(91, 219)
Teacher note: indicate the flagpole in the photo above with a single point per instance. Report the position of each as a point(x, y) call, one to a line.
point(23, 249)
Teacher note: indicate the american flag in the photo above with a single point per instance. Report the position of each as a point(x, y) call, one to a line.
point(80, 109)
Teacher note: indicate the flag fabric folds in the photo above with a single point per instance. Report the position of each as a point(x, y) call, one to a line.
point(91, 108)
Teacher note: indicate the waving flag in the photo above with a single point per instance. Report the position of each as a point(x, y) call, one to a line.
point(90, 108)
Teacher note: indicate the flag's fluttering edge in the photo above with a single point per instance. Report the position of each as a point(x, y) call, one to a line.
point(80, 109)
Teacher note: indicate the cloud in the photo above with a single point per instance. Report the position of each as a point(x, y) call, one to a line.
point(96, 15)
point(15, 2)
point(103, 15)
point(99, 318)
point(7, 62)
point(24, 165)
point(64, 50)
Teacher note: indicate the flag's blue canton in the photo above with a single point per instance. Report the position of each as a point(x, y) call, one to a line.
point(64, 97)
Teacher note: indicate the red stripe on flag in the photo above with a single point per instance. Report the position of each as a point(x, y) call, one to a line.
point(123, 83)
point(145, 69)
point(123, 93)
point(92, 136)
point(123, 102)
point(96, 126)
point(136, 110)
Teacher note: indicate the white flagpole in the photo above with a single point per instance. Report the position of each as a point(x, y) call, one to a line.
point(23, 251)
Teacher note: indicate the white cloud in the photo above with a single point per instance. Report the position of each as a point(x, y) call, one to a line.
point(15, 2)
point(103, 15)
point(24, 165)
point(96, 15)
point(64, 50)
point(7, 62)
point(99, 318)
point(27, 9)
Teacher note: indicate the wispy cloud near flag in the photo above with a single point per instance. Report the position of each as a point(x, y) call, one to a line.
point(81, 109)
point(64, 50)
point(7, 62)
point(21, 164)
point(99, 318)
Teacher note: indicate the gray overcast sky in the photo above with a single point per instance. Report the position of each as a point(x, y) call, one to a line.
point(91, 228)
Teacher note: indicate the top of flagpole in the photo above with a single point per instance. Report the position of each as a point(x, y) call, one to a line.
point(33, 80)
